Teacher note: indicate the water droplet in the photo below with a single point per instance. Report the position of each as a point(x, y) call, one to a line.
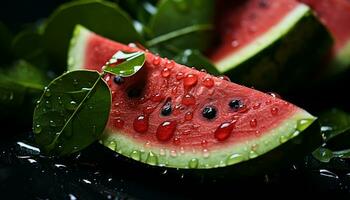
point(225, 78)
point(173, 153)
point(71, 105)
point(165, 72)
point(253, 123)
point(177, 141)
point(188, 100)
point(274, 111)
point(152, 159)
point(166, 130)
point(47, 92)
point(75, 82)
point(274, 95)
point(204, 143)
point(136, 155)
point(118, 123)
point(234, 158)
point(205, 153)
point(190, 80)
point(48, 104)
point(52, 123)
point(157, 97)
point(224, 130)
point(188, 116)
point(156, 61)
point(37, 102)
point(179, 76)
point(186, 132)
point(203, 70)
point(111, 145)
point(256, 106)
point(170, 64)
point(283, 139)
point(141, 124)
point(268, 102)
point(193, 163)
point(37, 129)
point(162, 152)
point(252, 154)
point(303, 124)
point(208, 82)
point(167, 108)
point(235, 43)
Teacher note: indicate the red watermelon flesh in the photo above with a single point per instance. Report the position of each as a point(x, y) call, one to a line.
point(335, 14)
point(246, 122)
point(240, 22)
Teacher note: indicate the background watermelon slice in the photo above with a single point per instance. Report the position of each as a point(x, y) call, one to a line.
point(171, 115)
point(268, 44)
point(335, 14)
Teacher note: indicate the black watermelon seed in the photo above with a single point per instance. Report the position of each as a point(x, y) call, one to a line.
point(166, 109)
point(235, 104)
point(118, 80)
point(134, 92)
point(209, 112)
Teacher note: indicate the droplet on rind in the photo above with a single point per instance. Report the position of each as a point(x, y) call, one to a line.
point(283, 139)
point(206, 153)
point(136, 155)
point(111, 145)
point(193, 163)
point(252, 154)
point(151, 159)
point(303, 124)
point(234, 158)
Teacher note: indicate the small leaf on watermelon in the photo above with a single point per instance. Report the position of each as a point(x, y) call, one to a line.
point(72, 113)
point(183, 24)
point(132, 64)
point(105, 18)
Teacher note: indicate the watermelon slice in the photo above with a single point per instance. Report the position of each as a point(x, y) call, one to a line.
point(268, 44)
point(335, 14)
point(171, 115)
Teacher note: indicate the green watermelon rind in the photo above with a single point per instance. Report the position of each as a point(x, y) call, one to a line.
point(341, 62)
point(287, 130)
point(186, 159)
point(285, 54)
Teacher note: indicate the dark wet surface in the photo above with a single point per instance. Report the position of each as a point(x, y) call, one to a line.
point(97, 173)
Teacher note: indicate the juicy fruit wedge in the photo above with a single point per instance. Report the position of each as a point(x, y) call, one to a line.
point(170, 115)
point(268, 44)
point(335, 14)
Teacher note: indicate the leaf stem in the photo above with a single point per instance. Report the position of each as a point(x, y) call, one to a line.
point(178, 33)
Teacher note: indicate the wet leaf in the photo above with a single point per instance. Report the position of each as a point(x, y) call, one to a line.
point(104, 18)
point(325, 155)
point(132, 63)
point(335, 128)
point(183, 24)
point(72, 112)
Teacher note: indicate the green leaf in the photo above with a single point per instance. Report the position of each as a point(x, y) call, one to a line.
point(5, 44)
point(335, 128)
point(28, 45)
point(104, 18)
point(72, 113)
point(20, 86)
point(184, 24)
point(132, 64)
point(195, 58)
